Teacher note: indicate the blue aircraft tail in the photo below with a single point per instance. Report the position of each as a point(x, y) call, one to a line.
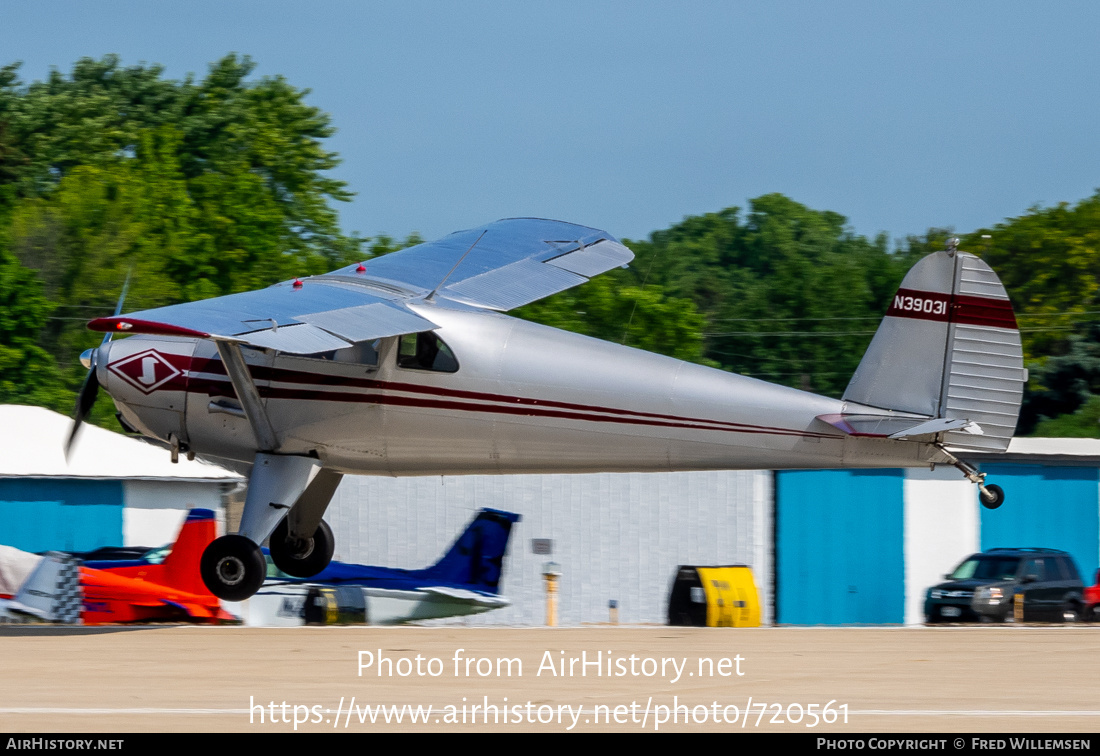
point(476, 557)
point(474, 561)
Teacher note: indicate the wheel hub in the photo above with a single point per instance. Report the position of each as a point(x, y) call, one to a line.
point(230, 570)
point(299, 548)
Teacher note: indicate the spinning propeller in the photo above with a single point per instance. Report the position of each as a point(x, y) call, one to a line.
point(89, 390)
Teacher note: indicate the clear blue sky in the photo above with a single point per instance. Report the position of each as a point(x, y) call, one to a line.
point(628, 116)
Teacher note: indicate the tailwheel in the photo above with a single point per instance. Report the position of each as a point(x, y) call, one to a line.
point(302, 557)
point(992, 496)
point(233, 568)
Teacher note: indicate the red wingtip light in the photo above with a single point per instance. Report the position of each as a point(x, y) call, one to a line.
point(361, 269)
point(297, 283)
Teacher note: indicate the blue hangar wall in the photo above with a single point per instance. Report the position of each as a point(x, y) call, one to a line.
point(839, 547)
point(862, 546)
point(1048, 507)
point(39, 514)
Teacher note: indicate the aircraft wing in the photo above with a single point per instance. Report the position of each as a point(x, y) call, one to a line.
point(314, 316)
point(498, 266)
point(195, 611)
point(501, 265)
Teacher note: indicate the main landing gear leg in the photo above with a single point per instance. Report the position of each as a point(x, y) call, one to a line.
point(233, 566)
point(302, 543)
point(991, 496)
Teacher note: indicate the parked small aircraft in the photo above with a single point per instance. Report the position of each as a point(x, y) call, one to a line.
point(404, 365)
point(50, 592)
point(141, 591)
point(466, 580)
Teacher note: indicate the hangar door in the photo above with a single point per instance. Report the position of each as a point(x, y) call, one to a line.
point(839, 547)
point(1046, 507)
point(38, 514)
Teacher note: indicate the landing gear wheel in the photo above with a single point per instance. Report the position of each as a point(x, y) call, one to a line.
point(233, 568)
point(305, 557)
point(992, 496)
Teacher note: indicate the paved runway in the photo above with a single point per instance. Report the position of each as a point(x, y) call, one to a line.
point(945, 679)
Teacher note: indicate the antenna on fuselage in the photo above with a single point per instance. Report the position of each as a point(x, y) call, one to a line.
point(452, 270)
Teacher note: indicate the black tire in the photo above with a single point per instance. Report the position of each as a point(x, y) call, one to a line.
point(302, 559)
point(233, 568)
point(992, 497)
point(1071, 612)
point(1092, 613)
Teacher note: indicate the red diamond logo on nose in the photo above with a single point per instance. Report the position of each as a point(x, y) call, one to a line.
point(146, 371)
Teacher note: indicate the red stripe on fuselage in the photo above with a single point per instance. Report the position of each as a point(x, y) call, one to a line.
point(965, 309)
point(223, 388)
point(475, 401)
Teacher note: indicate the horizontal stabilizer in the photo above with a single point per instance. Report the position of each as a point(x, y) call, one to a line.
point(940, 425)
point(468, 596)
point(893, 426)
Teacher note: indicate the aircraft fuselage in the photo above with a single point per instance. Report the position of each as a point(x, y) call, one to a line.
point(524, 398)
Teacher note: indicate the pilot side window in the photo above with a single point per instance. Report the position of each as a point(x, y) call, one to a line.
point(425, 351)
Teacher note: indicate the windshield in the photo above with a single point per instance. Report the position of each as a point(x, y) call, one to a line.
point(157, 556)
point(987, 568)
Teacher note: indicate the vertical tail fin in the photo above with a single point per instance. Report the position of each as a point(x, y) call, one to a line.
point(949, 347)
point(181, 566)
point(52, 591)
point(477, 556)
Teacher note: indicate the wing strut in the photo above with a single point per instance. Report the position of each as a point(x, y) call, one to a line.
point(249, 397)
point(452, 270)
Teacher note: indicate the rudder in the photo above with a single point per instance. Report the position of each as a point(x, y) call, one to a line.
point(476, 558)
point(181, 566)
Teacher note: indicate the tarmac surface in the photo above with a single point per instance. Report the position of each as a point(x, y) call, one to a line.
point(812, 680)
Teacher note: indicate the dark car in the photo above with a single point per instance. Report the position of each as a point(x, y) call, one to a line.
point(1025, 584)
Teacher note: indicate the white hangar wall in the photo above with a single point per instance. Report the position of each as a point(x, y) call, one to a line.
point(616, 535)
point(942, 527)
point(155, 509)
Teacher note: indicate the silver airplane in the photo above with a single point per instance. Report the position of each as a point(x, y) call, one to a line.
point(405, 365)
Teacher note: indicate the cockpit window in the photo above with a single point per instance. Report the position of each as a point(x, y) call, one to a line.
point(426, 351)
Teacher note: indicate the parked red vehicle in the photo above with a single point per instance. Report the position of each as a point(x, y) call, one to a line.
point(1091, 598)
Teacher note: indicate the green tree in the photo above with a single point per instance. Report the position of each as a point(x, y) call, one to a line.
point(249, 152)
point(28, 373)
point(1049, 261)
point(788, 294)
point(612, 308)
point(201, 188)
